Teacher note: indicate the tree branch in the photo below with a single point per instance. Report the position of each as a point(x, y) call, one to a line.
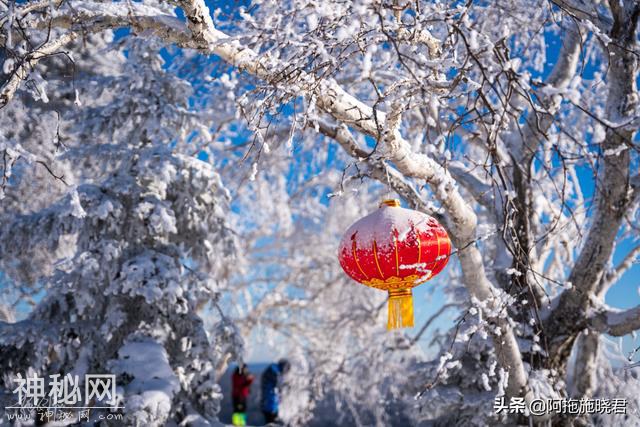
point(478, 189)
point(377, 168)
point(616, 322)
point(481, 192)
point(583, 10)
point(609, 279)
point(89, 17)
point(429, 321)
point(23, 70)
point(524, 142)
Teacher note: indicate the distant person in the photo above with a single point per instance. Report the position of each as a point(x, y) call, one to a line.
point(271, 384)
point(240, 388)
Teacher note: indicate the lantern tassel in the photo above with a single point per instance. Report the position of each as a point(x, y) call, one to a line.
point(400, 309)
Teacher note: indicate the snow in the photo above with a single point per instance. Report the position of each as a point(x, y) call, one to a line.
point(153, 384)
point(104, 209)
point(513, 272)
point(599, 133)
point(254, 171)
point(76, 208)
point(615, 151)
point(7, 66)
point(312, 21)
point(485, 381)
point(386, 222)
point(473, 40)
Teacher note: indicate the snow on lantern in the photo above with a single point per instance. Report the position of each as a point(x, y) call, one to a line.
point(395, 249)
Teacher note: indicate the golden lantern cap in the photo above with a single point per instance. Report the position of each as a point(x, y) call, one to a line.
point(395, 203)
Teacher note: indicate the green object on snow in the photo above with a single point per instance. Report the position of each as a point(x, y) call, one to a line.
point(239, 419)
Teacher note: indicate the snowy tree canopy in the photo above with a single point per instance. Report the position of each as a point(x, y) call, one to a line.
point(176, 177)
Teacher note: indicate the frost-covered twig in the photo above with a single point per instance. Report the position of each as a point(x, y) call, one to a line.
point(585, 10)
point(377, 168)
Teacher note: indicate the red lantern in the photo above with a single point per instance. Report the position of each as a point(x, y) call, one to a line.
point(395, 249)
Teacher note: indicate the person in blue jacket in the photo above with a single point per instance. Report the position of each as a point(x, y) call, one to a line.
point(270, 385)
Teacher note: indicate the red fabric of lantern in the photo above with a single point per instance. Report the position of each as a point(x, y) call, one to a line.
point(395, 249)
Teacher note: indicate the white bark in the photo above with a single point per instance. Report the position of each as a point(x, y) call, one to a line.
point(585, 368)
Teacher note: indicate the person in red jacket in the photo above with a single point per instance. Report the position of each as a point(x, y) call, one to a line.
point(240, 388)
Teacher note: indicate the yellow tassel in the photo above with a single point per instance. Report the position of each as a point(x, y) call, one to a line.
point(400, 309)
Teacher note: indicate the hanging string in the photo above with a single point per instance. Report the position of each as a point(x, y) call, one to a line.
point(386, 169)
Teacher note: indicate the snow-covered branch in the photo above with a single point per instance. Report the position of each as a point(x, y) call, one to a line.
point(481, 191)
point(23, 70)
point(82, 18)
point(617, 322)
point(377, 168)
